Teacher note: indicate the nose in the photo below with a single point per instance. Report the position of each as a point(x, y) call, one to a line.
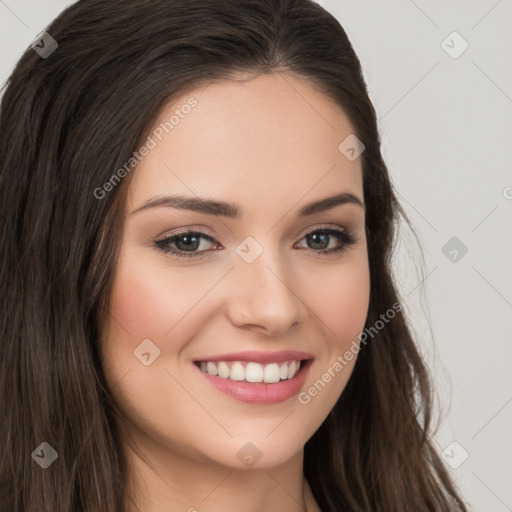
point(263, 297)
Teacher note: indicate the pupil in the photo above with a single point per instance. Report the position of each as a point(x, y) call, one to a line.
point(189, 242)
point(314, 239)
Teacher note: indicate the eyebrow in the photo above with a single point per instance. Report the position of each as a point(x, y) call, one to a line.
point(232, 210)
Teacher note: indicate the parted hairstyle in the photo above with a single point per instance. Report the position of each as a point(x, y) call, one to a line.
point(68, 122)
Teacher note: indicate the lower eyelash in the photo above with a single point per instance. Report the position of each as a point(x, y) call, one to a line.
point(163, 244)
point(344, 236)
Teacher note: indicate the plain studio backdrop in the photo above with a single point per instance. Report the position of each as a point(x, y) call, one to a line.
point(440, 77)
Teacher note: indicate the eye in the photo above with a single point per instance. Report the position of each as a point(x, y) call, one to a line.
point(186, 244)
point(320, 240)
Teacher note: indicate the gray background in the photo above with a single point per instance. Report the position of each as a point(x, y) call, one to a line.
point(446, 126)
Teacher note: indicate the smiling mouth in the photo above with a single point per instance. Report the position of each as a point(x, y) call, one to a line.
point(248, 371)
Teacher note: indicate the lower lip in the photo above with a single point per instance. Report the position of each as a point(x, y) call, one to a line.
point(259, 392)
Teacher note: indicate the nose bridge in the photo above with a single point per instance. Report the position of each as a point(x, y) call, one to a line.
point(264, 294)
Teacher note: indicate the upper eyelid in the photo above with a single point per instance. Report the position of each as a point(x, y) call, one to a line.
point(209, 235)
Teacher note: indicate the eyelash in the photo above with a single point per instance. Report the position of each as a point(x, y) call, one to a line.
point(344, 236)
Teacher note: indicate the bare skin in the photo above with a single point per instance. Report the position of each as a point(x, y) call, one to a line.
point(270, 145)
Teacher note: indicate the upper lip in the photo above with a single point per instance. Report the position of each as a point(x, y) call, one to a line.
point(260, 357)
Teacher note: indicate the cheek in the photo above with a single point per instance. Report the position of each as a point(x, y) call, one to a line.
point(153, 302)
point(142, 307)
point(147, 301)
point(340, 299)
point(149, 298)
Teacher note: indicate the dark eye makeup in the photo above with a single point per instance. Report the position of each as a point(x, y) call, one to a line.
point(185, 243)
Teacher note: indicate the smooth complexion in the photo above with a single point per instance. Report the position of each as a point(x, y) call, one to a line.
point(270, 145)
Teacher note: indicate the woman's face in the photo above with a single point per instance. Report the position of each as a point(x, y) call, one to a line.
point(251, 295)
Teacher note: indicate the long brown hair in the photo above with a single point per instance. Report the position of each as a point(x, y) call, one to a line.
point(68, 122)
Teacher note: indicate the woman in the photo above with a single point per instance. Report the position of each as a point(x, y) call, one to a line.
point(198, 311)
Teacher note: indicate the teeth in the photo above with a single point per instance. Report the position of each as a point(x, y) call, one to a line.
point(211, 368)
point(252, 372)
point(237, 372)
point(291, 369)
point(271, 373)
point(223, 370)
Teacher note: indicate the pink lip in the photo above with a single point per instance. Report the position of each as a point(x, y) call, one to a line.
point(260, 392)
point(260, 357)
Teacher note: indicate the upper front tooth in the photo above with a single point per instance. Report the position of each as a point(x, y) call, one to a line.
point(254, 372)
point(271, 373)
point(237, 372)
point(223, 370)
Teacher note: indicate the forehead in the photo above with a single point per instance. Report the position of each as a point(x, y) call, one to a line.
point(259, 141)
